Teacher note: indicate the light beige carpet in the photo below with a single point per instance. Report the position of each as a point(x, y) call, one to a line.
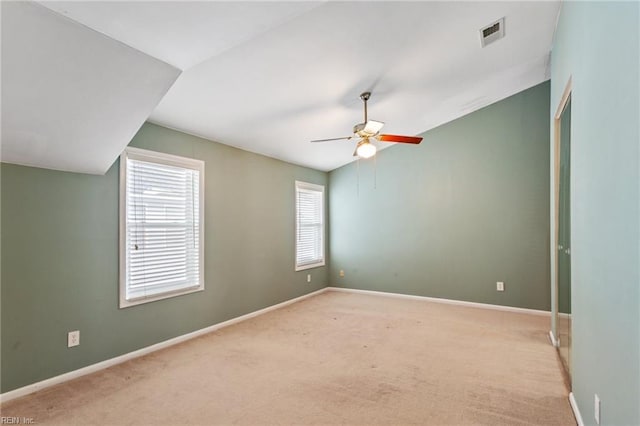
point(335, 358)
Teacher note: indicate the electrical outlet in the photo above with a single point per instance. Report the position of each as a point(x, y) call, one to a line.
point(341, 273)
point(308, 278)
point(596, 408)
point(73, 338)
point(500, 286)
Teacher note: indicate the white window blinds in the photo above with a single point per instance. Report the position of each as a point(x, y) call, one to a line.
point(309, 225)
point(162, 245)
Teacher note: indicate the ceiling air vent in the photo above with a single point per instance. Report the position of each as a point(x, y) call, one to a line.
point(492, 32)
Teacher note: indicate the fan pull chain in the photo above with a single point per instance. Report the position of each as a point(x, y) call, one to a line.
point(375, 172)
point(358, 178)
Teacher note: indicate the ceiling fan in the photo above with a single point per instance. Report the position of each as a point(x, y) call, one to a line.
point(371, 129)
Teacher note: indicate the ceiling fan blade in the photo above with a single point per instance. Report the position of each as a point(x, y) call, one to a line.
point(399, 138)
point(372, 127)
point(332, 139)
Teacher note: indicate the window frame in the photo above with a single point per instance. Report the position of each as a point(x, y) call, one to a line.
point(310, 187)
point(139, 154)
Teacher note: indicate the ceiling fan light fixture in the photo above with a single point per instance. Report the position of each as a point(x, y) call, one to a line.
point(366, 149)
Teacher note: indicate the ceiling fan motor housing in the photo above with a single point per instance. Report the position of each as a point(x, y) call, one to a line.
point(368, 129)
point(359, 128)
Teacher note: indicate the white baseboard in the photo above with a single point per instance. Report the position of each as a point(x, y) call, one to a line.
point(555, 342)
point(25, 390)
point(576, 411)
point(446, 301)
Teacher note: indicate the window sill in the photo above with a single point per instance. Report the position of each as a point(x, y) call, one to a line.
point(310, 266)
point(124, 303)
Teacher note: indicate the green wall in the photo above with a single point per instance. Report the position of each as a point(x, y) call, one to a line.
point(60, 257)
point(453, 215)
point(597, 45)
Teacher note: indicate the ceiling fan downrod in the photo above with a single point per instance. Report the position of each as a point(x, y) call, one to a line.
point(365, 97)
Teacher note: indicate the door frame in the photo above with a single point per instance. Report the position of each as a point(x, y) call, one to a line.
point(566, 95)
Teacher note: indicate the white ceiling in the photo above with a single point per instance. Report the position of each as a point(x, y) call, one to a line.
point(270, 76)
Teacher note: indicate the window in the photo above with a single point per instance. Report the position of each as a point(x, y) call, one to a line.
point(309, 225)
point(161, 226)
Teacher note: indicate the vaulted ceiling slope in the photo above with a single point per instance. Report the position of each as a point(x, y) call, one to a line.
point(266, 77)
point(72, 98)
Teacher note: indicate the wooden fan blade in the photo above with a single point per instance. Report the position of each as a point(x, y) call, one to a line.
point(399, 138)
point(332, 139)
